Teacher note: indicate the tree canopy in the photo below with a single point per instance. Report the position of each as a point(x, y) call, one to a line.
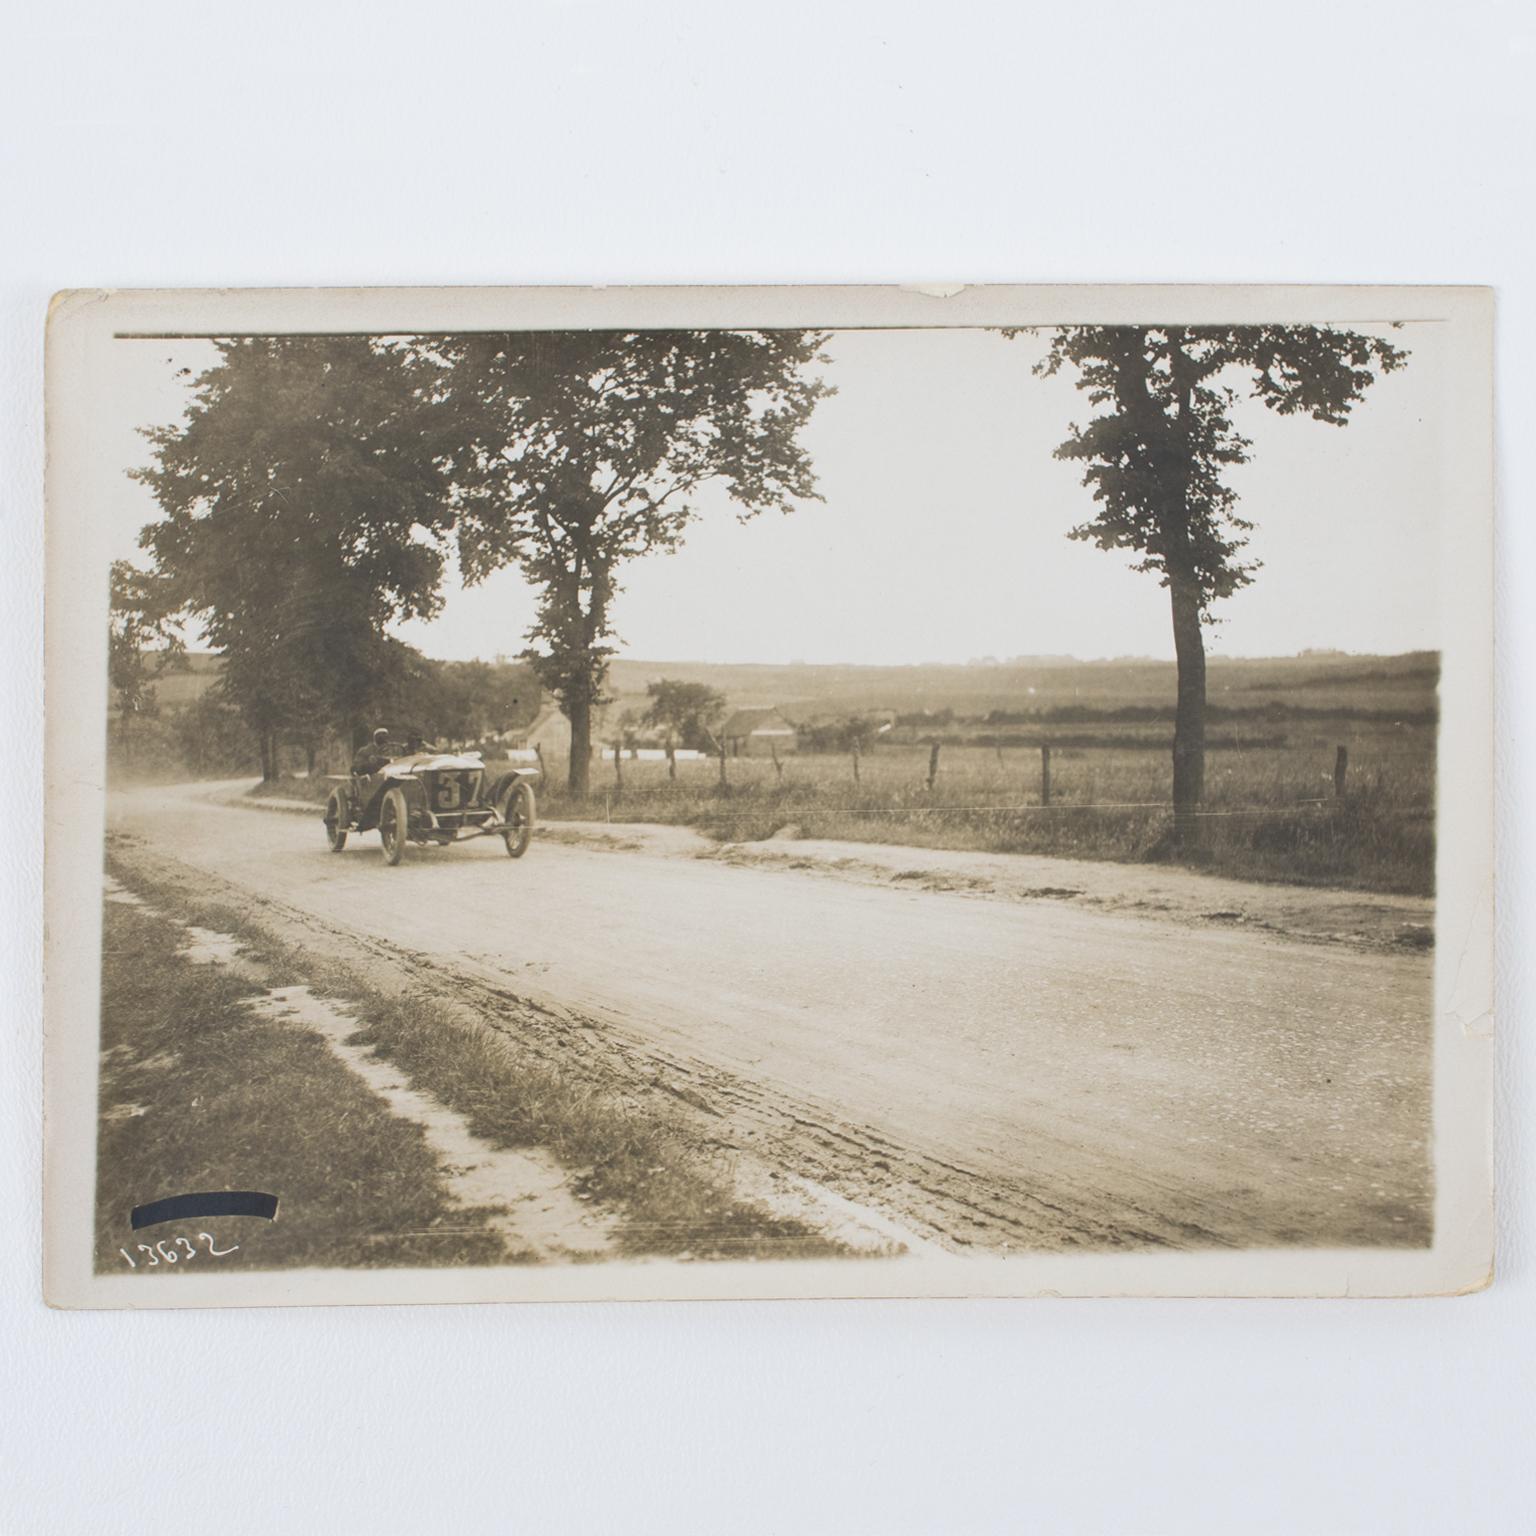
point(305, 508)
point(686, 713)
point(1155, 456)
point(573, 452)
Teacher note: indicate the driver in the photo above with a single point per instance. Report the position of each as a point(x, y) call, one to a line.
point(373, 755)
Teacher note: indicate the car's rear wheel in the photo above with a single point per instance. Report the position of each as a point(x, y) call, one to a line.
point(517, 813)
point(394, 823)
point(336, 821)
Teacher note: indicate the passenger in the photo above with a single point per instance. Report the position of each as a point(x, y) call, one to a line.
point(372, 756)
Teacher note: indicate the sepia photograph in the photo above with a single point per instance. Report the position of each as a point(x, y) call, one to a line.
point(771, 769)
point(572, 794)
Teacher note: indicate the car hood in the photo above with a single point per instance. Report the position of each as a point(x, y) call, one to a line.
point(425, 762)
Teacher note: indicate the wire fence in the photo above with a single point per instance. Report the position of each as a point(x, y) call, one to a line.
point(783, 784)
point(1289, 808)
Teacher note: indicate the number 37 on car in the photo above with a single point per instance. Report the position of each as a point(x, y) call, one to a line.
point(432, 798)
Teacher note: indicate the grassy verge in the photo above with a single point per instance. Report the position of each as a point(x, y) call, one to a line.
point(316, 790)
point(1270, 809)
point(199, 1093)
point(671, 1197)
point(670, 1193)
point(1369, 840)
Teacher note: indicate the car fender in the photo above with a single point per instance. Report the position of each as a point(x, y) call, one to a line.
point(369, 793)
point(504, 783)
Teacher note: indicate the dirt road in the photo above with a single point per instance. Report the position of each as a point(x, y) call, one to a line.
point(990, 1074)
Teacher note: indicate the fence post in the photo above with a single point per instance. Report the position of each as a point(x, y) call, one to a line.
point(855, 762)
point(618, 770)
point(1045, 774)
point(778, 767)
point(1340, 768)
point(671, 761)
point(933, 765)
point(722, 762)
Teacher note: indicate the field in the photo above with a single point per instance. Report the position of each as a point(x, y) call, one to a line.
point(1270, 813)
point(1330, 681)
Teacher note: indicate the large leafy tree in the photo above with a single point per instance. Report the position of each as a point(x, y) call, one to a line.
point(576, 451)
point(305, 509)
point(1157, 450)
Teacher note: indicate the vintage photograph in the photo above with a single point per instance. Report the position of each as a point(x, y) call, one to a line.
point(787, 792)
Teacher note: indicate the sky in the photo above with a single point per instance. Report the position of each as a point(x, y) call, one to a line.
point(942, 533)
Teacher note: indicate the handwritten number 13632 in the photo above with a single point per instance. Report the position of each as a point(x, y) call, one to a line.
point(164, 1252)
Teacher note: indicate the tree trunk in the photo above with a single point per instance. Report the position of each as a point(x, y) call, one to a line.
point(268, 757)
point(309, 758)
point(579, 777)
point(1188, 635)
point(1189, 719)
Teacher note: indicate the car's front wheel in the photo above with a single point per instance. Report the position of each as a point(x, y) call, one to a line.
point(336, 821)
point(394, 822)
point(517, 813)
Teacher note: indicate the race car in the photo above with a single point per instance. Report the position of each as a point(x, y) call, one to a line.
point(429, 798)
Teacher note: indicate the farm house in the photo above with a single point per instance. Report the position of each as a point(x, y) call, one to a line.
point(759, 733)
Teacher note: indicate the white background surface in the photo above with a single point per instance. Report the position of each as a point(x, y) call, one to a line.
point(290, 144)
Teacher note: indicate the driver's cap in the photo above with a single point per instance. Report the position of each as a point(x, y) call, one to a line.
point(381, 734)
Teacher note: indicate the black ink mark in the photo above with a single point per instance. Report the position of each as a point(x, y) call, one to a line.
point(214, 1202)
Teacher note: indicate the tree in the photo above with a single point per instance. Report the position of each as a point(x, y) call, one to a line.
point(853, 733)
point(422, 697)
point(142, 644)
point(475, 699)
point(576, 451)
point(686, 713)
point(1155, 455)
point(211, 737)
point(305, 509)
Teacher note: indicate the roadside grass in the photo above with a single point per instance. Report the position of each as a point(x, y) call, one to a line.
point(1271, 813)
point(200, 1093)
point(671, 1197)
point(671, 1194)
point(317, 789)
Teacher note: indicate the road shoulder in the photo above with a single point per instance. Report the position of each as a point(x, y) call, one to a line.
point(1156, 892)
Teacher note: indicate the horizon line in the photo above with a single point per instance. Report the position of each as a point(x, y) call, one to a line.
point(979, 664)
